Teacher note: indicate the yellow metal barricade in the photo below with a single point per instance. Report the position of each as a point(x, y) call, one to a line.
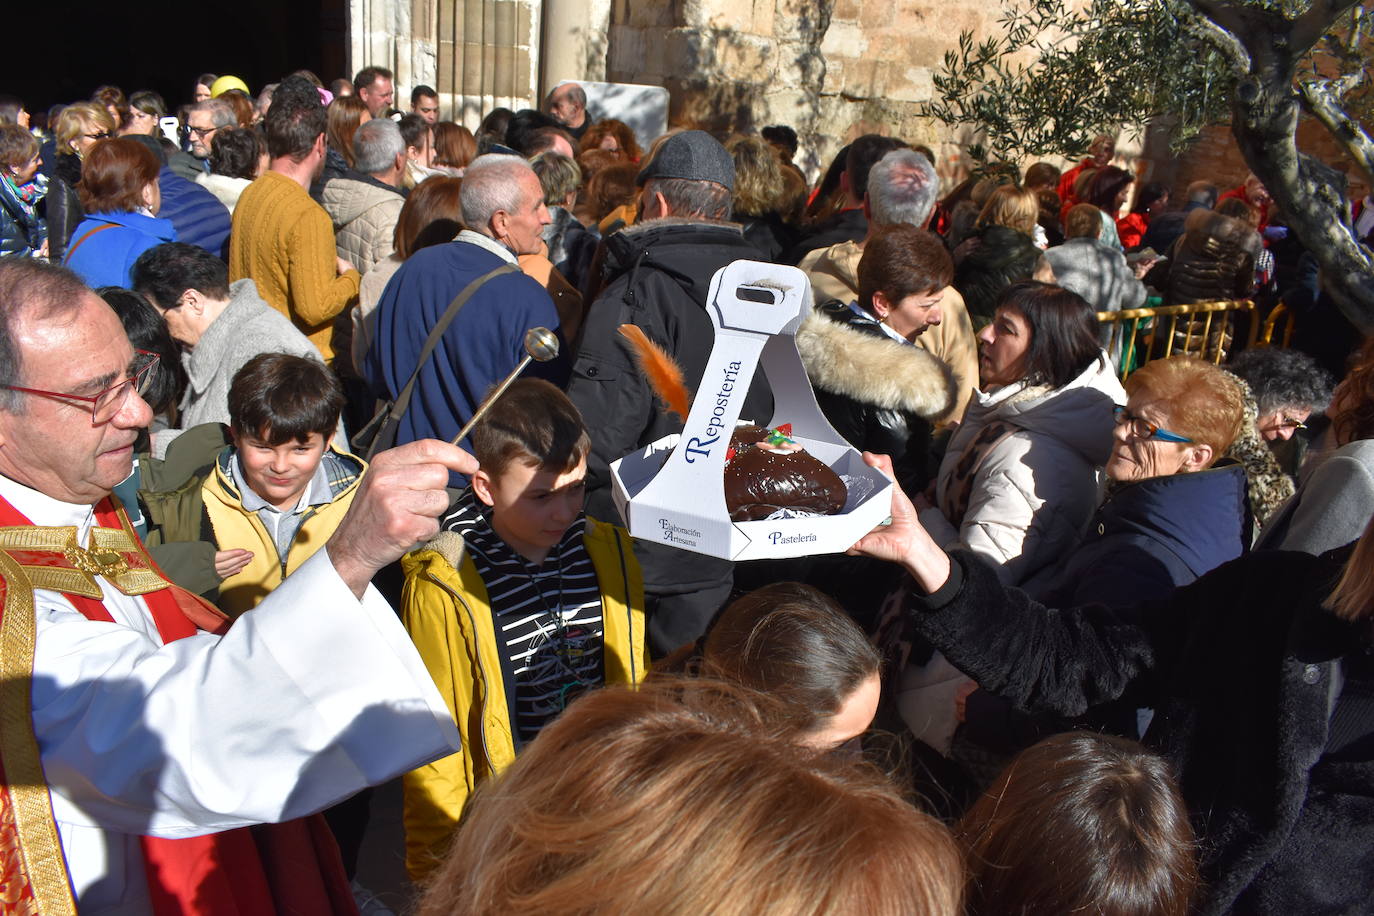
point(1280, 314)
point(1202, 329)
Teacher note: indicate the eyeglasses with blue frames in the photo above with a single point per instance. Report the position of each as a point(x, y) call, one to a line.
point(107, 403)
point(1141, 428)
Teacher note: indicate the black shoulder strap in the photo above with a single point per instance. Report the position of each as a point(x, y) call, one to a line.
point(398, 409)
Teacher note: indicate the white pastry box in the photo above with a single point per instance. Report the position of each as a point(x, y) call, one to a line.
point(673, 490)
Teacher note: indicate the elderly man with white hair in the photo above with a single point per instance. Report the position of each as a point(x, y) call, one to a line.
point(503, 209)
point(366, 201)
point(902, 190)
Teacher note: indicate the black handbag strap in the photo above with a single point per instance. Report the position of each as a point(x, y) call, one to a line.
point(398, 409)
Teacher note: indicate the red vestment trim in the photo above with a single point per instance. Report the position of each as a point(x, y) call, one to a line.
point(287, 869)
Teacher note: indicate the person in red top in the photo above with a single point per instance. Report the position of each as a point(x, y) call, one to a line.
point(1100, 155)
point(1153, 200)
point(1256, 195)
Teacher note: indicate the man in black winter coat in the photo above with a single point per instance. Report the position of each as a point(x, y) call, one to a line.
point(1261, 676)
point(658, 276)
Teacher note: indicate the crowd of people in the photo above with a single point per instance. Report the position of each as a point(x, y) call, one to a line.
point(1112, 652)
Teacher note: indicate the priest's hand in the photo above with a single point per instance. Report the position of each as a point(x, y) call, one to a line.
point(904, 541)
point(397, 505)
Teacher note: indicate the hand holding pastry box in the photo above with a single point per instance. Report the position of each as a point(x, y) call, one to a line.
point(789, 489)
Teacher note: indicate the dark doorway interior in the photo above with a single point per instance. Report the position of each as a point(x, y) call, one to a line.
point(68, 49)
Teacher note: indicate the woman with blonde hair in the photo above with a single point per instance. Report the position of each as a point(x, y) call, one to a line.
point(679, 799)
point(760, 194)
point(1002, 251)
point(78, 128)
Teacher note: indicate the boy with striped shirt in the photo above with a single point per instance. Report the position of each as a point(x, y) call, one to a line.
point(518, 606)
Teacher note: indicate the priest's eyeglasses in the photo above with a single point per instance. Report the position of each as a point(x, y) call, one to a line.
point(107, 403)
point(1142, 428)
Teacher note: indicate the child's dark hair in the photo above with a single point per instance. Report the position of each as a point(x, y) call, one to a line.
point(532, 422)
point(148, 331)
point(1081, 823)
point(282, 398)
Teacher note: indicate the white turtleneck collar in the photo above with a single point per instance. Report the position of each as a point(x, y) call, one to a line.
point(43, 510)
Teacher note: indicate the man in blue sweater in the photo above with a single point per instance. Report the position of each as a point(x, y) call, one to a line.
point(503, 204)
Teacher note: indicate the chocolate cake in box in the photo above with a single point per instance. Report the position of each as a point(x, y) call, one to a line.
point(758, 492)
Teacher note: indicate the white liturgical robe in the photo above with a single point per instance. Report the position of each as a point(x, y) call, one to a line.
point(308, 698)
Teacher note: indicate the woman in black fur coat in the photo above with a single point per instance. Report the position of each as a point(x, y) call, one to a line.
point(1261, 675)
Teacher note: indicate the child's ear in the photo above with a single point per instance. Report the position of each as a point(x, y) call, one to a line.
point(482, 488)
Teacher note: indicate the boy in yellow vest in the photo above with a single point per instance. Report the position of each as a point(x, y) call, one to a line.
point(276, 494)
point(520, 604)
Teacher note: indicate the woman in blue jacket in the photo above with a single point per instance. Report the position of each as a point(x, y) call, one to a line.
point(119, 193)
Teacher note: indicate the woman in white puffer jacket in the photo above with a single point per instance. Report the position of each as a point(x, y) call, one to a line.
point(1023, 472)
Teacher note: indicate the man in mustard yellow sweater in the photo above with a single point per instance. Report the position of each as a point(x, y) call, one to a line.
point(282, 239)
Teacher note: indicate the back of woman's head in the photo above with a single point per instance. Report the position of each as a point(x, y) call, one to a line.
point(679, 798)
point(1080, 823)
point(114, 174)
point(1105, 186)
point(1083, 221)
point(611, 187)
point(795, 644)
point(345, 114)
point(1239, 209)
point(236, 151)
point(758, 176)
point(454, 145)
point(432, 214)
point(1013, 207)
point(1352, 407)
point(1063, 326)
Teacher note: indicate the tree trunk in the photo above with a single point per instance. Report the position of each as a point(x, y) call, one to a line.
point(1310, 193)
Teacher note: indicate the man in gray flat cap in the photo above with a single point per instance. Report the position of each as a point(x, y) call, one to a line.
point(658, 275)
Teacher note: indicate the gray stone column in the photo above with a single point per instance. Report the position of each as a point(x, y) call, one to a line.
point(574, 42)
point(478, 54)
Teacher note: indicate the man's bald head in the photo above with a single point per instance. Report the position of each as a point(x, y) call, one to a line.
point(568, 104)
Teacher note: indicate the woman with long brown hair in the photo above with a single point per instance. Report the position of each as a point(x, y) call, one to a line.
point(679, 799)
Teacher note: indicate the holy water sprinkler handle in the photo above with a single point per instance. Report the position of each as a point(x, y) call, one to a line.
point(541, 344)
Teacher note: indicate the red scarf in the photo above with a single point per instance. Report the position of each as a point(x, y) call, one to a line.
point(288, 869)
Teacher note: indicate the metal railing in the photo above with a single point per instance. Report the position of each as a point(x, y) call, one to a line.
point(1203, 329)
point(1279, 313)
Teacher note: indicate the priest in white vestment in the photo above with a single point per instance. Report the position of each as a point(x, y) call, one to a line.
point(313, 695)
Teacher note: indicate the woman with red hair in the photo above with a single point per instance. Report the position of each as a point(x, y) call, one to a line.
point(119, 192)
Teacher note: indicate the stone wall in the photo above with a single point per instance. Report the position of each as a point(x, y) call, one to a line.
point(478, 54)
point(832, 69)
